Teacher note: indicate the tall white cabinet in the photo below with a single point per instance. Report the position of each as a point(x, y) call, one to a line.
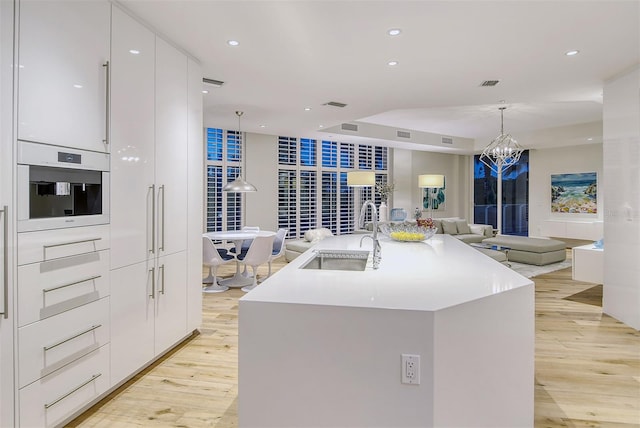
point(7, 315)
point(151, 292)
point(118, 295)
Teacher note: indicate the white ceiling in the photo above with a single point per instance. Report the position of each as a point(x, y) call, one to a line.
point(297, 54)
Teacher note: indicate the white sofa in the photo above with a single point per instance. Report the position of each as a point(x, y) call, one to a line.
point(466, 232)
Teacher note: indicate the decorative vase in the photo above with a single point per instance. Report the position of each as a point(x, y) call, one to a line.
point(383, 214)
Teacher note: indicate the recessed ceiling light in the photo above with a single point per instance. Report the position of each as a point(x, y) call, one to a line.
point(589, 139)
point(263, 126)
point(394, 31)
point(77, 86)
point(572, 53)
point(204, 91)
point(320, 126)
point(307, 109)
point(233, 42)
point(392, 63)
point(134, 51)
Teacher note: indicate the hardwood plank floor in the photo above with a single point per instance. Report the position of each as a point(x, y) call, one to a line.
point(587, 367)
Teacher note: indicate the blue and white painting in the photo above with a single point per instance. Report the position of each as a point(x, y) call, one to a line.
point(574, 193)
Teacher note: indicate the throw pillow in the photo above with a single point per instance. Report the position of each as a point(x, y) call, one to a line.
point(438, 224)
point(450, 227)
point(463, 227)
point(315, 235)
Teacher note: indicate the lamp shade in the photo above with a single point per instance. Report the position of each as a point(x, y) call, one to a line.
point(431, 180)
point(238, 186)
point(361, 178)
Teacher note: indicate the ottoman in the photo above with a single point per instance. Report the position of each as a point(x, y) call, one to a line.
point(532, 251)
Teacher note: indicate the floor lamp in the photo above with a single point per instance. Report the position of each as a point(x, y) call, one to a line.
point(430, 181)
point(499, 155)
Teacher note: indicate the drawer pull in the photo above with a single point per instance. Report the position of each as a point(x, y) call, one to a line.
point(47, 290)
point(71, 243)
point(57, 400)
point(90, 329)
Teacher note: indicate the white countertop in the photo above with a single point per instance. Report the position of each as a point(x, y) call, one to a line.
point(430, 275)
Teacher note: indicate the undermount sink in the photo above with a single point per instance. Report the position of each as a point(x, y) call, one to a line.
point(354, 260)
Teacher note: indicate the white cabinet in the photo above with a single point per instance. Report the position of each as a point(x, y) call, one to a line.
point(7, 260)
point(588, 264)
point(63, 73)
point(132, 140)
point(149, 212)
point(171, 147)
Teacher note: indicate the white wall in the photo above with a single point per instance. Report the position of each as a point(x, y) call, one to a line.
point(408, 165)
point(621, 147)
point(543, 163)
point(261, 170)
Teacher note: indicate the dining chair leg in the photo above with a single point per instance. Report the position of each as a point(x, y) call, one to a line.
point(209, 279)
point(255, 280)
point(214, 287)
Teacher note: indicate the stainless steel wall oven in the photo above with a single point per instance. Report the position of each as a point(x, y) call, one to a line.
point(61, 187)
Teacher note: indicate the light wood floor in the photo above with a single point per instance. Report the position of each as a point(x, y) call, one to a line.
point(587, 367)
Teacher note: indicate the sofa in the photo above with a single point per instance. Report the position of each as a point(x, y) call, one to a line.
point(532, 251)
point(460, 229)
point(295, 247)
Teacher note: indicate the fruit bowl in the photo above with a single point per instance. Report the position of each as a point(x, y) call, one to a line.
point(404, 232)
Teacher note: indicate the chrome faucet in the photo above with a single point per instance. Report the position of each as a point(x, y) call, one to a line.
point(377, 249)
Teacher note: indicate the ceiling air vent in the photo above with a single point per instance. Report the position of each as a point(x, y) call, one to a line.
point(403, 134)
point(349, 127)
point(334, 104)
point(212, 82)
point(490, 83)
point(447, 140)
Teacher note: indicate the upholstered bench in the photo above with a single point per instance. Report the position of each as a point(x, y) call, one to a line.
point(532, 251)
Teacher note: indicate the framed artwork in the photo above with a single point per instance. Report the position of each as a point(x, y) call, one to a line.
point(574, 193)
point(434, 198)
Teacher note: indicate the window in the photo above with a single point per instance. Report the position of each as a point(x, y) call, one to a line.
point(515, 196)
point(224, 157)
point(312, 187)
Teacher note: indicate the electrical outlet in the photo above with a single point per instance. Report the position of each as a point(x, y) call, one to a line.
point(411, 369)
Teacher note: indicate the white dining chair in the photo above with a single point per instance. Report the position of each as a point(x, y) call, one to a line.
point(213, 257)
point(259, 252)
point(278, 247)
point(245, 247)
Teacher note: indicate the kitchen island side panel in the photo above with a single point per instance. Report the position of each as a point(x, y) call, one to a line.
point(315, 365)
point(484, 361)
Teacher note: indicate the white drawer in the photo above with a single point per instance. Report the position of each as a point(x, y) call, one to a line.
point(54, 398)
point(47, 345)
point(52, 287)
point(53, 244)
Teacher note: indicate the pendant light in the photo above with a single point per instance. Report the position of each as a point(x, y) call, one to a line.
point(239, 185)
point(503, 152)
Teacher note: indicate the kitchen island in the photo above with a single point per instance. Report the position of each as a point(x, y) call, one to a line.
point(324, 347)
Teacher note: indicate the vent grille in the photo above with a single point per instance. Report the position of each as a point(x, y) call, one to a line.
point(335, 104)
point(403, 134)
point(490, 83)
point(349, 127)
point(212, 82)
point(447, 140)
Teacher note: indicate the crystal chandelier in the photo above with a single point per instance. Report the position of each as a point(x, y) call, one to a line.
point(503, 151)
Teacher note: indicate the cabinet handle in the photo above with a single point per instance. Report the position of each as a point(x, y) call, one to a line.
point(153, 218)
point(46, 290)
point(161, 189)
point(153, 282)
point(80, 241)
point(162, 276)
point(57, 400)
point(5, 256)
point(107, 135)
point(90, 329)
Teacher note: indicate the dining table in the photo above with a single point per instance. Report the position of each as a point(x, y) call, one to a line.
point(237, 237)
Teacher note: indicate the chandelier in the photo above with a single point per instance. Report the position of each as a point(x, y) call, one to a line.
point(503, 151)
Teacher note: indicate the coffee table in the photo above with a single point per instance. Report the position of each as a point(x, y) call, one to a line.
point(501, 248)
